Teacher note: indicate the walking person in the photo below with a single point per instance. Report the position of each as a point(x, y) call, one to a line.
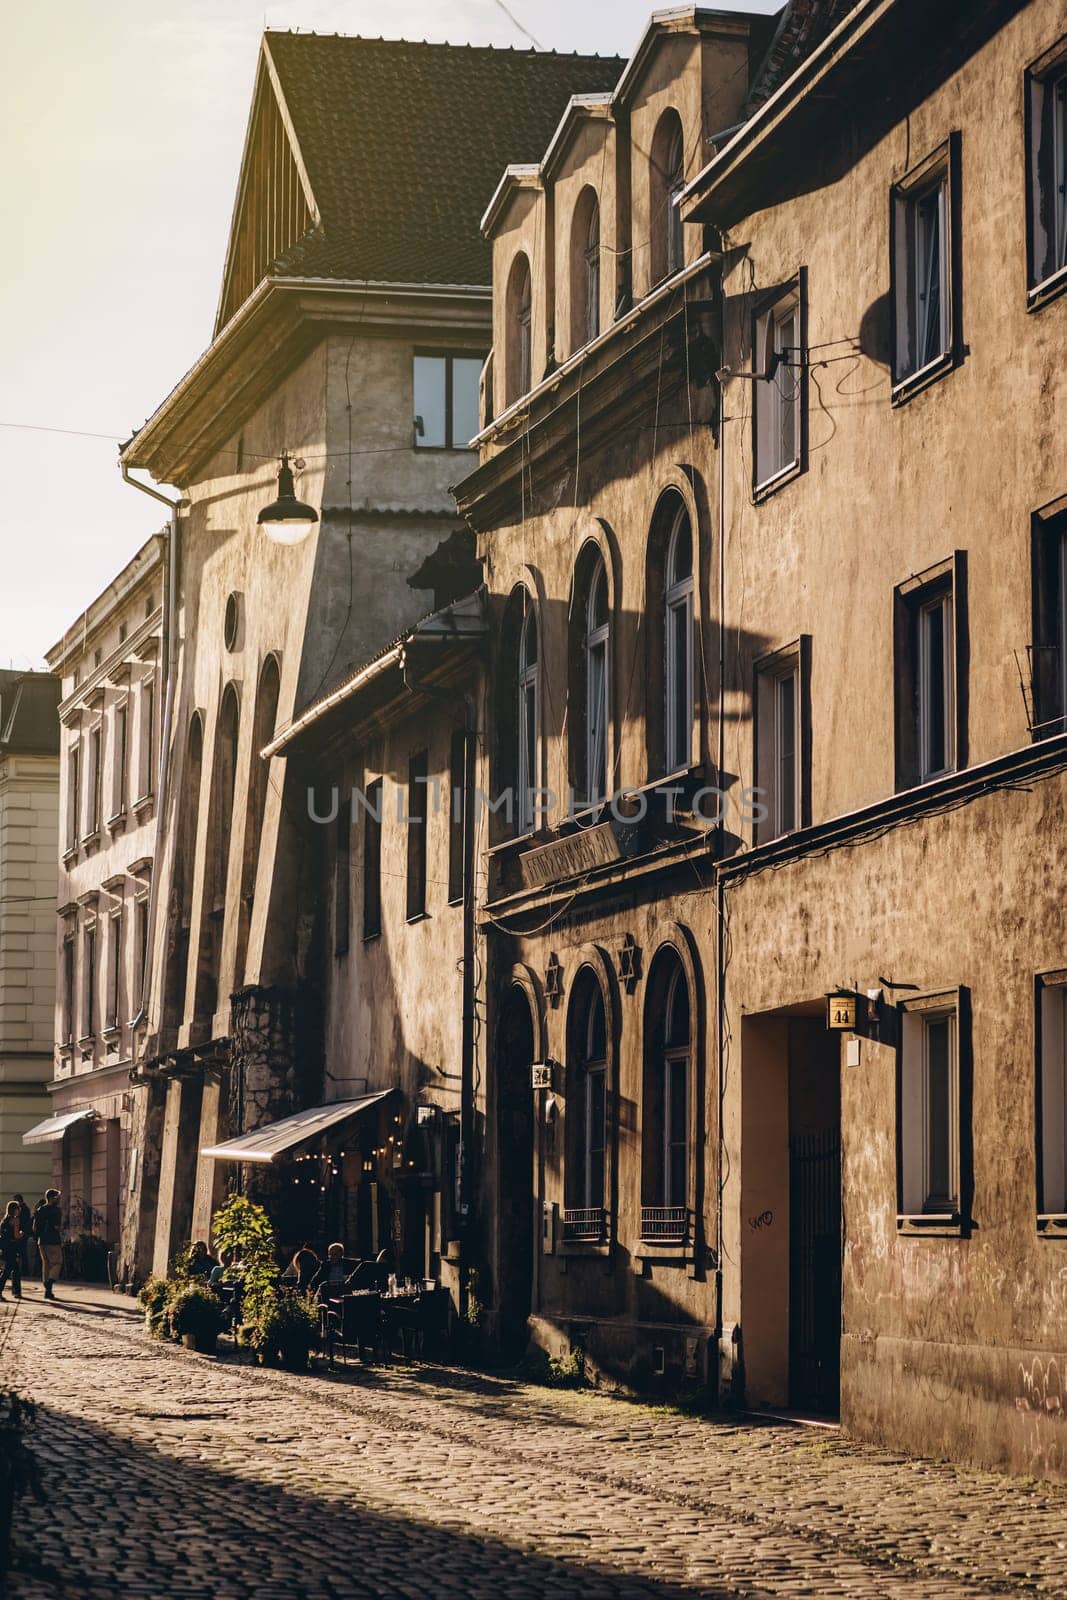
point(12, 1243)
point(47, 1230)
point(26, 1224)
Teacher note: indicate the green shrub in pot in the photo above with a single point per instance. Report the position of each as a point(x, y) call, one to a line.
point(195, 1314)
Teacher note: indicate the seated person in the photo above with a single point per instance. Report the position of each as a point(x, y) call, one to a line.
point(201, 1262)
point(304, 1267)
point(333, 1276)
point(227, 1269)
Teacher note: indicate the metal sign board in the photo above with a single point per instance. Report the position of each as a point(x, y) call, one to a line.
point(841, 1012)
point(541, 1075)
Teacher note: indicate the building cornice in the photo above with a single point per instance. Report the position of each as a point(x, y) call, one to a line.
point(276, 327)
point(84, 630)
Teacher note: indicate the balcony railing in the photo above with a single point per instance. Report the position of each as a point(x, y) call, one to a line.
point(664, 1224)
point(583, 1224)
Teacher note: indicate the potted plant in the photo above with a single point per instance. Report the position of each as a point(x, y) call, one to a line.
point(196, 1317)
point(286, 1330)
point(153, 1295)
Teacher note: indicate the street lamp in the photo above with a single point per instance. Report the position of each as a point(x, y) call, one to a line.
point(287, 520)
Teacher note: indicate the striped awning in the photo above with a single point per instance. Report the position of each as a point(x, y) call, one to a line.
point(274, 1139)
point(55, 1127)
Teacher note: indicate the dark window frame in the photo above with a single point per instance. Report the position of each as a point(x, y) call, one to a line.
point(342, 875)
point(789, 659)
point(1045, 280)
point(954, 1003)
point(457, 804)
point(909, 598)
point(791, 294)
point(449, 357)
point(1048, 603)
point(942, 165)
point(373, 797)
point(1050, 1223)
point(417, 825)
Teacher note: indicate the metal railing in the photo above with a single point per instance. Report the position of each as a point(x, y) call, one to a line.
point(665, 1224)
point(583, 1224)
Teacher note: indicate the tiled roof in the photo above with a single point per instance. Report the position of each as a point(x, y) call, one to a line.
point(802, 26)
point(404, 143)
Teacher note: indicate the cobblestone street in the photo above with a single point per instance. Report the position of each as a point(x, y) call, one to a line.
point(170, 1474)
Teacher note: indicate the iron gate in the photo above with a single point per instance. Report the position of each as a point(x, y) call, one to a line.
point(815, 1270)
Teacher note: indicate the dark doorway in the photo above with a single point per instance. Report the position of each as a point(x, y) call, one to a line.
point(814, 1217)
point(515, 1158)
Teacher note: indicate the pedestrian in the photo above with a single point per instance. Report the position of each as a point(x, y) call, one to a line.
point(48, 1231)
point(12, 1242)
point(26, 1223)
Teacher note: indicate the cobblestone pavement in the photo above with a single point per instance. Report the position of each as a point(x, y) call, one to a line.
point(175, 1475)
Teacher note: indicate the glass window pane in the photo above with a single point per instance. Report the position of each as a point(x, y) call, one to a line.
point(429, 378)
point(681, 697)
point(934, 727)
point(466, 370)
point(939, 1109)
point(597, 1036)
point(786, 734)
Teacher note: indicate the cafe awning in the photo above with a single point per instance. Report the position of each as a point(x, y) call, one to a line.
point(55, 1127)
point(273, 1140)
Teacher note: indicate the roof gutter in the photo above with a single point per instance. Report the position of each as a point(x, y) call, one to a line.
point(170, 654)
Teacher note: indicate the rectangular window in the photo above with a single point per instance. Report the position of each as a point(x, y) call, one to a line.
point(783, 741)
point(595, 1131)
point(417, 820)
point(930, 647)
point(141, 976)
point(92, 784)
point(120, 757)
point(1052, 1100)
point(923, 267)
point(1048, 653)
point(114, 969)
point(67, 1019)
point(89, 982)
point(446, 399)
point(1046, 177)
point(930, 1111)
point(73, 795)
point(148, 738)
point(372, 860)
point(342, 876)
point(457, 784)
point(778, 402)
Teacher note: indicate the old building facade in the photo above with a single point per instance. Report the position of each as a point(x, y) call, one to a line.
point(109, 663)
point(353, 325)
point(773, 540)
point(29, 809)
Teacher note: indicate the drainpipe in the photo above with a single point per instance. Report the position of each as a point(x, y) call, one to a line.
point(170, 652)
point(720, 892)
point(466, 1091)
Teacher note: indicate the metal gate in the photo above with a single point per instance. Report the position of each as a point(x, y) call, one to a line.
point(815, 1270)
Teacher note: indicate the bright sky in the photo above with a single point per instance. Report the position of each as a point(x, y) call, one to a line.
point(121, 127)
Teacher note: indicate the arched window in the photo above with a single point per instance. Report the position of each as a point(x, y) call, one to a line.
point(529, 722)
point(665, 1112)
point(266, 718)
point(585, 1187)
point(678, 643)
point(596, 685)
point(585, 269)
point(667, 183)
point(517, 309)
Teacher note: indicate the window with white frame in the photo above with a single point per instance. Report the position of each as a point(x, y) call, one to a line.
point(73, 795)
point(929, 1111)
point(89, 975)
point(922, 263)
point(120, 760)
point(93, 778)
point(587, 1111)
point(1052, 1100)
point(146, 779)
point(1046, 117)
point(665, 1108)
point(528, 701)
point(446, 399)
point(778, 391)
point(678, 644)
point(596, 685)
point(930, 726)
point(936, 705)
point(781, 741)
point(114, 969)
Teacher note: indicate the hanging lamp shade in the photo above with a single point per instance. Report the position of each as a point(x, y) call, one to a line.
point(287, 520)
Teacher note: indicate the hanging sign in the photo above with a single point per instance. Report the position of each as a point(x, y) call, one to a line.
point(841, 1011)
point(541, 1075)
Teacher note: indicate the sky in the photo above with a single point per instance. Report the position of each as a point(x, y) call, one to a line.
point(121, 127)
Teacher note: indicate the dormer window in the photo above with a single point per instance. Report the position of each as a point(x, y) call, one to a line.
point(585, 270)
point(667, 180)
point(518, 365)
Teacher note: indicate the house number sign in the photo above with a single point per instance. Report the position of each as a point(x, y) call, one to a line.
point(841, 1012)
point(541, 1075)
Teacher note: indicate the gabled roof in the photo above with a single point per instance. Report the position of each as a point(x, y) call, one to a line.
point(802, 25)
point(397, 147)
point(29, 715)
